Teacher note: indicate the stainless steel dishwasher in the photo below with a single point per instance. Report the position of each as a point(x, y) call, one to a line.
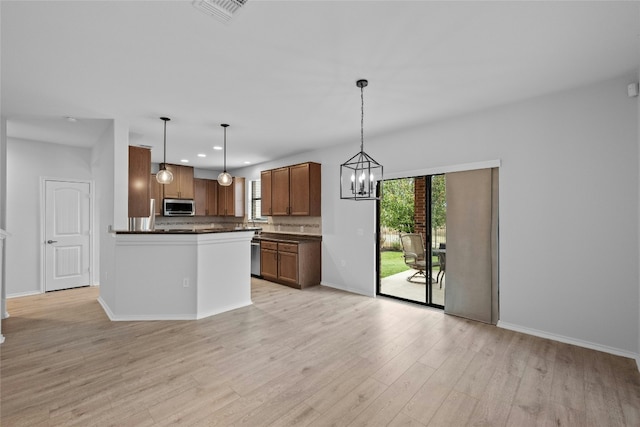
point(255, 259)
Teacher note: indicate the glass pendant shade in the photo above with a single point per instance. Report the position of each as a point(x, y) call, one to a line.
point(359, 176)
point(164, 176)
point(225, 179)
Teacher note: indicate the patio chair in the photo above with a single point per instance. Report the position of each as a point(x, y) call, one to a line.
point(414, 254)
point(442, 260)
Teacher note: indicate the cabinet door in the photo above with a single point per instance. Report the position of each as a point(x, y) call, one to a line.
point(172, 190)
point(305, 189)
point(265, 192)
point(269, 263)
point(155, 190)
point(299, 189)
point(239, 192)
point(200, 196)
point(212, 197)
point(225, 200)
point(280, 191)
point(288, 267)
point(186, 182)
point(139, 173)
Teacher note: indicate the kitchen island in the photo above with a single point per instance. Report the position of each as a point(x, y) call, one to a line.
point(178, 274)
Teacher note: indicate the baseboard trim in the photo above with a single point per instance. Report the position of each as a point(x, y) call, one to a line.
point(573, 341)
point(223, 310)
point(346, 289)
point(141, 317)
point(24, 294)
point(147, 317)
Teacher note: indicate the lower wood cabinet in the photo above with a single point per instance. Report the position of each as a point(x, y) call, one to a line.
point(293, 264)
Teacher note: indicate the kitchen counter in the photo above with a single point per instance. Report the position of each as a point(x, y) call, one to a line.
point(192, 230)
point(287, 238)
point(177, 274)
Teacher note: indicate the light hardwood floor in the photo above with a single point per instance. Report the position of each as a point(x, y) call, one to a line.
point(316, 357)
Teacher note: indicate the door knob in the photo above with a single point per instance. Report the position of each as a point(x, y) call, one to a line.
point(52, 241)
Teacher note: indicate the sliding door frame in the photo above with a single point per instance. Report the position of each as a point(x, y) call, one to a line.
point(428, 292)
point(416, 173)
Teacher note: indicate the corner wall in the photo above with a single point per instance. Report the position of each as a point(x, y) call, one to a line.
point(29, 162)
point(569, 197)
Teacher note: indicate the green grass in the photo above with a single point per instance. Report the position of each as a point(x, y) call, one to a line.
point(391, 262)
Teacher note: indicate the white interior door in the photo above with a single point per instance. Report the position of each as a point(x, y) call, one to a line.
point(67, 237)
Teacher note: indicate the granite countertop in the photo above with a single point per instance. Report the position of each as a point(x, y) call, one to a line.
point(192, 230)
point(286, 238)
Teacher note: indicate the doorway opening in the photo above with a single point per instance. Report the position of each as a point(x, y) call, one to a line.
point(411, 226)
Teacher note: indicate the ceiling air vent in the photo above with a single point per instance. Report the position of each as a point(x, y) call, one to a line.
point(223, 10)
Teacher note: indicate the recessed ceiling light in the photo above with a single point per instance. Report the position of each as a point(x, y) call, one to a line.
point(217, 147)
point(71, 119)
point(202, 155)
point(184, 161)
point(247, 162)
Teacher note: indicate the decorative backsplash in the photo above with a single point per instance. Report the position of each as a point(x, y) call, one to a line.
point(286, 224)
point(292, 225)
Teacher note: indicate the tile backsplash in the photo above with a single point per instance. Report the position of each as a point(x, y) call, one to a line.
point(293, 225)
point(284, 224)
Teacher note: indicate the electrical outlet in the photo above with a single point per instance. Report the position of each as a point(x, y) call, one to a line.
point(185, 282)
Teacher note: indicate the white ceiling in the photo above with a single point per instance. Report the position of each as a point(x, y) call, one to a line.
point(283, 73)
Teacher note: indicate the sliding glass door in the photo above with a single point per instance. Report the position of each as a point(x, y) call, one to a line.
point(412, 240)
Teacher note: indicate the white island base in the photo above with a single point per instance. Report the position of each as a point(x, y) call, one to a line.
point(181, 276)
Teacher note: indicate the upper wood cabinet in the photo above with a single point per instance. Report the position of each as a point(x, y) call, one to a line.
point(206, 196)
point(139, 173)
point(231, 198)
point(212, 196)
point(279, 191)
point(304, 189)
point(182, 185)
point(265, 196)
point(155, 191)
point(292, 190)
point(200, 196)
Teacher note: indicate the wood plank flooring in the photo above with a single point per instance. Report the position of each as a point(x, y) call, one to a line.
point(318, 357)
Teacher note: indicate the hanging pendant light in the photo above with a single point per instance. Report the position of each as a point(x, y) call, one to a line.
point(164, 176)
point(225, 179)
point(359, 176)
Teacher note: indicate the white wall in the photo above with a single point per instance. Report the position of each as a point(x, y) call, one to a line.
point(568, 208)
point(27, 163)
point(102, 165)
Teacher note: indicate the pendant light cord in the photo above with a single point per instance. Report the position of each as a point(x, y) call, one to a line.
point(225, 149)
point(361, 118)
point(165, 143)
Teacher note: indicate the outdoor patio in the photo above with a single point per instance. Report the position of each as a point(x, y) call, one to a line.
point(398, 286)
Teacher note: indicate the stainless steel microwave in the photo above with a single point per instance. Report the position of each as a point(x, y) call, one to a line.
point(178, 207)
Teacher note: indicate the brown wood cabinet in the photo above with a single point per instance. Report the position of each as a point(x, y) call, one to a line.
point(293, 264)
point(231, 198)
point(182, 185)
point(206, 196)
point(292, 190)
point(269, 260)
point(279, 191)
point(265, 196)
point(200, 196)
point(139, 173)
point(155, 190)
point(212, 197)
